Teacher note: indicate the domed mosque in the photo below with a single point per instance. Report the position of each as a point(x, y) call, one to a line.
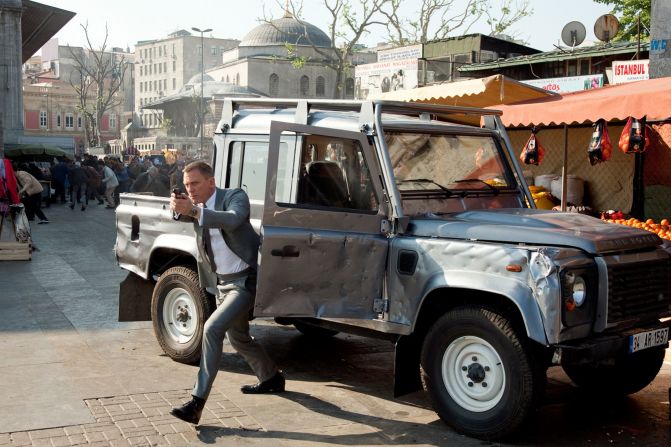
point(261, 61)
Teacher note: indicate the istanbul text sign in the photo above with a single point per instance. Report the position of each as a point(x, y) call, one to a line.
point(629, 71)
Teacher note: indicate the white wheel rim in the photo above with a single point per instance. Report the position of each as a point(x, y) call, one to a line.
point(180, 315)
point(473, 374)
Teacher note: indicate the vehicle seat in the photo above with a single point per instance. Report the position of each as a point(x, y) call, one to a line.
point(325, 185)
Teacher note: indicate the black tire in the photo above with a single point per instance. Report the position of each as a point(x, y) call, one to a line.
point(629, 374)
point(505, 382)
point(314, 331)
point(179, 309)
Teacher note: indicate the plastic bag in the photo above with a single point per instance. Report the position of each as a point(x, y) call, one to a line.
point(533, 151)
point(600, 147)
point(634, 137)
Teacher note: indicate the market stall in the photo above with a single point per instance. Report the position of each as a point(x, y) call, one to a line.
point(566, 121)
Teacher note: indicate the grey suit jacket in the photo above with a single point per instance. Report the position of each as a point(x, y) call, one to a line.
point(231, 216)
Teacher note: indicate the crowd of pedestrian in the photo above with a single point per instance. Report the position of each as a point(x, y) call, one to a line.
point(88, 179)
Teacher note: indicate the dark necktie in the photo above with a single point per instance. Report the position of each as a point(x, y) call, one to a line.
point(207, 241)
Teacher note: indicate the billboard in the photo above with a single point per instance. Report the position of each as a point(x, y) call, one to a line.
point(630, 71)
point(393, 54)
point(568, 84)
point(382, 77)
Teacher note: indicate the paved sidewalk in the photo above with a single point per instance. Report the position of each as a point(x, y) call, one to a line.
point(72, 375)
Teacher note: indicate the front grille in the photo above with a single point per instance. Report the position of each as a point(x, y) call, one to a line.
point(639, 290)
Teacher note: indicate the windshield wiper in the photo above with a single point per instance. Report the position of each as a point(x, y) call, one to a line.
point(426, 180)
point(477, 180)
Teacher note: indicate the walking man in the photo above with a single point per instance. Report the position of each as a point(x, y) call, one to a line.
point(228, 247)
point(111, 182)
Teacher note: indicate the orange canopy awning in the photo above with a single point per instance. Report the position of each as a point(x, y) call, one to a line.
point(484, 92)
point(650, 98)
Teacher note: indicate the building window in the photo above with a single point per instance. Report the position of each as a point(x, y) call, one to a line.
point(69, 121)
point(165, 67)
point(321, 86)
point(274, 87)
point(140, 70)
point(58, 120)
point(43, 118)
point(141, 87)
point(213, 51)
point(79, 122)
point(160, 67)
point(228, 80)
point(237, 79)
point(174, 83)
point(174, 65)
point(113, 120)
point(305, 86)
point(349, 88)
point(199, 50)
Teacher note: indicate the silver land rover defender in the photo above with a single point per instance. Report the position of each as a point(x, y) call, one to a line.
point(413, 222)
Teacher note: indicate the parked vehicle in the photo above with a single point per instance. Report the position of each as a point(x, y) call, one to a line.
point(408, 222)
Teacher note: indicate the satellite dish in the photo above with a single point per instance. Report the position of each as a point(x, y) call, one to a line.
point(605, 27)
point(573, 34)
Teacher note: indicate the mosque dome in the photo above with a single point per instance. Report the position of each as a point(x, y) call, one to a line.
point(288, 29)
point(195, 79)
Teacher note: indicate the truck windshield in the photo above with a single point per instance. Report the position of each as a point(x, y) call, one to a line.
point(441, 163)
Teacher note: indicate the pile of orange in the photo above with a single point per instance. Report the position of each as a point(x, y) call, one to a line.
point(661, 229)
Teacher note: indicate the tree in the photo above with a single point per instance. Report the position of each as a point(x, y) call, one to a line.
point(627, 12)
point(439, 19)
point(349, 21)
point(97, 79)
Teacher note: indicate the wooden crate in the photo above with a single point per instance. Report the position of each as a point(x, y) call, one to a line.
point(15, 251)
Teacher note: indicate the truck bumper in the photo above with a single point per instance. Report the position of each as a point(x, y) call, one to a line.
point(604, 348)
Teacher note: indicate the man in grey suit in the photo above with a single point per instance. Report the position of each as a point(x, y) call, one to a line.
point(228, 248)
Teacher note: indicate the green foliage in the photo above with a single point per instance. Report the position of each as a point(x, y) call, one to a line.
point(627, 12)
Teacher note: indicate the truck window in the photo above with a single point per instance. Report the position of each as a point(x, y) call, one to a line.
point(332, 173)
point(446, 160)
point(247, 168)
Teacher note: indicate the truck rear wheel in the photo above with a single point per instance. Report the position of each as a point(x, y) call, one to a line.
point(179, 309)
point(481, 378)
point(629, 374)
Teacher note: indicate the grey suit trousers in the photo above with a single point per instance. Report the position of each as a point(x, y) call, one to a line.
point(234, 300)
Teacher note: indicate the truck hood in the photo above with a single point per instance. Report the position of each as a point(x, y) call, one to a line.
point(534, 227)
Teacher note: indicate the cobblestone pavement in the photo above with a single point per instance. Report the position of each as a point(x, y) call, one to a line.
point(73, 375)
point(137, 420)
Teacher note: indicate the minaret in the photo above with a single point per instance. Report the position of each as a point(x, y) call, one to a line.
point(11, 99)
point(287, 14)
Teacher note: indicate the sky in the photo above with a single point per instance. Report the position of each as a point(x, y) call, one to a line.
point(130, 21)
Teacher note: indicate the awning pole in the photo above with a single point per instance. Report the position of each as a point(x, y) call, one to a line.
point(564, 169)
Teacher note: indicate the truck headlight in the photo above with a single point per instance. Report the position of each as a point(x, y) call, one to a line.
point(579, 292)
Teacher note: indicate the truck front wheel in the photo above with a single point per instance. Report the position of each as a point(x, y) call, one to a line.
point(481, 378)
point(627, 375)
point(179, 309)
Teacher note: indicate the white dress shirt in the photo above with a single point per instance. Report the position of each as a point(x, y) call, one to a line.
point(226, 261)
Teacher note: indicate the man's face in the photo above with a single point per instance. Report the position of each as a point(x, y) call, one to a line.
point(198, 186)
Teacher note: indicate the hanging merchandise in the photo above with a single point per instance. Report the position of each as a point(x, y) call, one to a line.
point(634, 137)
point(533, 151)
point(600, 147)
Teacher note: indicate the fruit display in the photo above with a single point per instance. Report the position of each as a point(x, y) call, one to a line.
point(543, 199)
point(661, 229)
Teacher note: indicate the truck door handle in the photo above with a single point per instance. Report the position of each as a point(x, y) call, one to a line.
point(288, 251)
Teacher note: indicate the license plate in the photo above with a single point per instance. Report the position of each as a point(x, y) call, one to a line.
point(645, 340)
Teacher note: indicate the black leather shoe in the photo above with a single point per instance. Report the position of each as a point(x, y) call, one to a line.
point(190, 411)
point(273, 385)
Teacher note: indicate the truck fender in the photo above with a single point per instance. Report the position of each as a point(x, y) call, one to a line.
point(516, 291)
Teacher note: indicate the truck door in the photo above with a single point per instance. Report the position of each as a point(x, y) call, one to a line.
point(323, 252)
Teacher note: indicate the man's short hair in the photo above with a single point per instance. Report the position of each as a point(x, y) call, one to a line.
point(201, 166)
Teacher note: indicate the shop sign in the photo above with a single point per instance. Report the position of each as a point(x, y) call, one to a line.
point(630, 71)
point(568, 84)
point(382, 77)
point(393, 54)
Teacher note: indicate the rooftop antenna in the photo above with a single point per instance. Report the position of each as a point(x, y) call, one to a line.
point(606, 27)
point(573, 34)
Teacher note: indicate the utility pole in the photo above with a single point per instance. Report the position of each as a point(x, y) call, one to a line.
point(202, 89)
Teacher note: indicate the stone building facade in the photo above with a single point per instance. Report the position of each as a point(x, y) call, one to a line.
point(163, 66)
